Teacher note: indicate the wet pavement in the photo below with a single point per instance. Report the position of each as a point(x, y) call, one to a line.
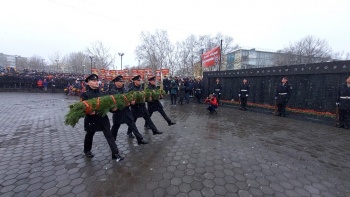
point(233, 153)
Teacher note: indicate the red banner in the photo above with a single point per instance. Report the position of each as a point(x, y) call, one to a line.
point(113, 73)
point(164, 71)
point(211, 57)
point(134, 72)
point(94, 71)
point(126, 72)
point(158, 76)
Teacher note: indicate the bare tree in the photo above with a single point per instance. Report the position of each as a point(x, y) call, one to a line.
point(341, 56)
point(35, 63)
point(154, 49)
point(307, 50)
point(102, 55)
point(78, 62)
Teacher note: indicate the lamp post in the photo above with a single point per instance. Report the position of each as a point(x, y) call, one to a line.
point(201, 71)
point(42, 61)
point(57, 63)
point(121, 60)
point(16, 61)
point(91, 57)
point(84, 69)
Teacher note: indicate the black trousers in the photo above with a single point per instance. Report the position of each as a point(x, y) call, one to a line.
point(173, 99)
point(244, 102)
point(198, 98)
point(109, 137)
point(131, 125)
point(282, 108)
point(218, 96)
point(148, 122)
point(162, 112)
point(344, 116)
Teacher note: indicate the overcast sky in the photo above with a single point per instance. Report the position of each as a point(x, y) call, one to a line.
point(43, 27)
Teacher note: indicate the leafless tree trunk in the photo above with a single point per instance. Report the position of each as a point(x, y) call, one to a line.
point(307, 50)
point(102, 56)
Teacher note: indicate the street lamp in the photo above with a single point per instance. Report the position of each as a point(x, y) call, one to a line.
point(91, 57)
point(84, 69)
point(42, 61)
point(57, 63)
point(121, 60)
point(16, 61)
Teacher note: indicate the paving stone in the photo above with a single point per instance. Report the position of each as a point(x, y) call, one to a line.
point(199, 156)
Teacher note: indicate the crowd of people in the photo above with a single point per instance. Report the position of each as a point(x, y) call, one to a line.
point(33, 79)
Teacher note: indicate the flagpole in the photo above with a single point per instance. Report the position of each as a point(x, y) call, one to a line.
point(220, 54)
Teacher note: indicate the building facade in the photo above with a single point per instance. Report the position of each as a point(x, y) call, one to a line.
point(249, 58)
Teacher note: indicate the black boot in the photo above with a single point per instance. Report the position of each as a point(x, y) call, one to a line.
point(157, 132)
point(142, 142)
point(171, 123)
point(88, 154)
point(117, 157)
point(147, 127)
point(131, 135)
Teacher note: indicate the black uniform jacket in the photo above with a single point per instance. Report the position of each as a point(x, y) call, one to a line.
point(94, 122)
point(344, 97)
point(198, 87)
point(217, 88)
point(154, 105)
point(283, 92)
point(121, 116)
point(138, 110)
point(244, 90)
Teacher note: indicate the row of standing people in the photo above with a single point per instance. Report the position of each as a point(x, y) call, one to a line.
point(94, 122)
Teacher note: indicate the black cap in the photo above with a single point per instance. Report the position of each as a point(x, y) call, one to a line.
point(152, 79)
point(118, 78)
point(91, 77)
point(137, 77)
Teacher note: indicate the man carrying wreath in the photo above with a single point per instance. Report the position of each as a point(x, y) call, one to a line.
point(95, 122)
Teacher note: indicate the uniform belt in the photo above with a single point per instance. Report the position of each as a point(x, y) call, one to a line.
point(282, 93)
point(198, 89)
point(345, 97)
point(244, 90)
point(217, 90)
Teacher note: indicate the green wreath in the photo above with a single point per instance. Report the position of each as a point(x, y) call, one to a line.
point(102, 105)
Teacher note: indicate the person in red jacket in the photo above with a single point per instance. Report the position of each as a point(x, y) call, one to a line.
point(213, 104)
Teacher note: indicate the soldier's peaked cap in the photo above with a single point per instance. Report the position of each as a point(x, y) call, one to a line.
point(118, 78)
point(137, 77)
point(91, 77)
point(151, 78)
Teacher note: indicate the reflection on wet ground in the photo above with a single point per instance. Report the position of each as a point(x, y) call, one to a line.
point(233, 153)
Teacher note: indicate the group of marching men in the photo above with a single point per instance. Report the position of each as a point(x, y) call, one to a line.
point(94, 122)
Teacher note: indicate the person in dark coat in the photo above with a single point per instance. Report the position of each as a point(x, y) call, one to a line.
point(217, 89)
point(174, 87)
point(123, 116)
point(198, 88)
point(283, 93)
point(183, 92)
point(139, 109)
point(94, 122)
point(243, 94)
point(343, 101)
point(166, 84)
point(155, 105)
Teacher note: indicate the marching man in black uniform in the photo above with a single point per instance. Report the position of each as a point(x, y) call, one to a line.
point(155, 105)
point(123, 116)
point(140, 110)
point(243, 94)
point(343, 102)
point(282, 96)
point(218, 89)
point(94, 122)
